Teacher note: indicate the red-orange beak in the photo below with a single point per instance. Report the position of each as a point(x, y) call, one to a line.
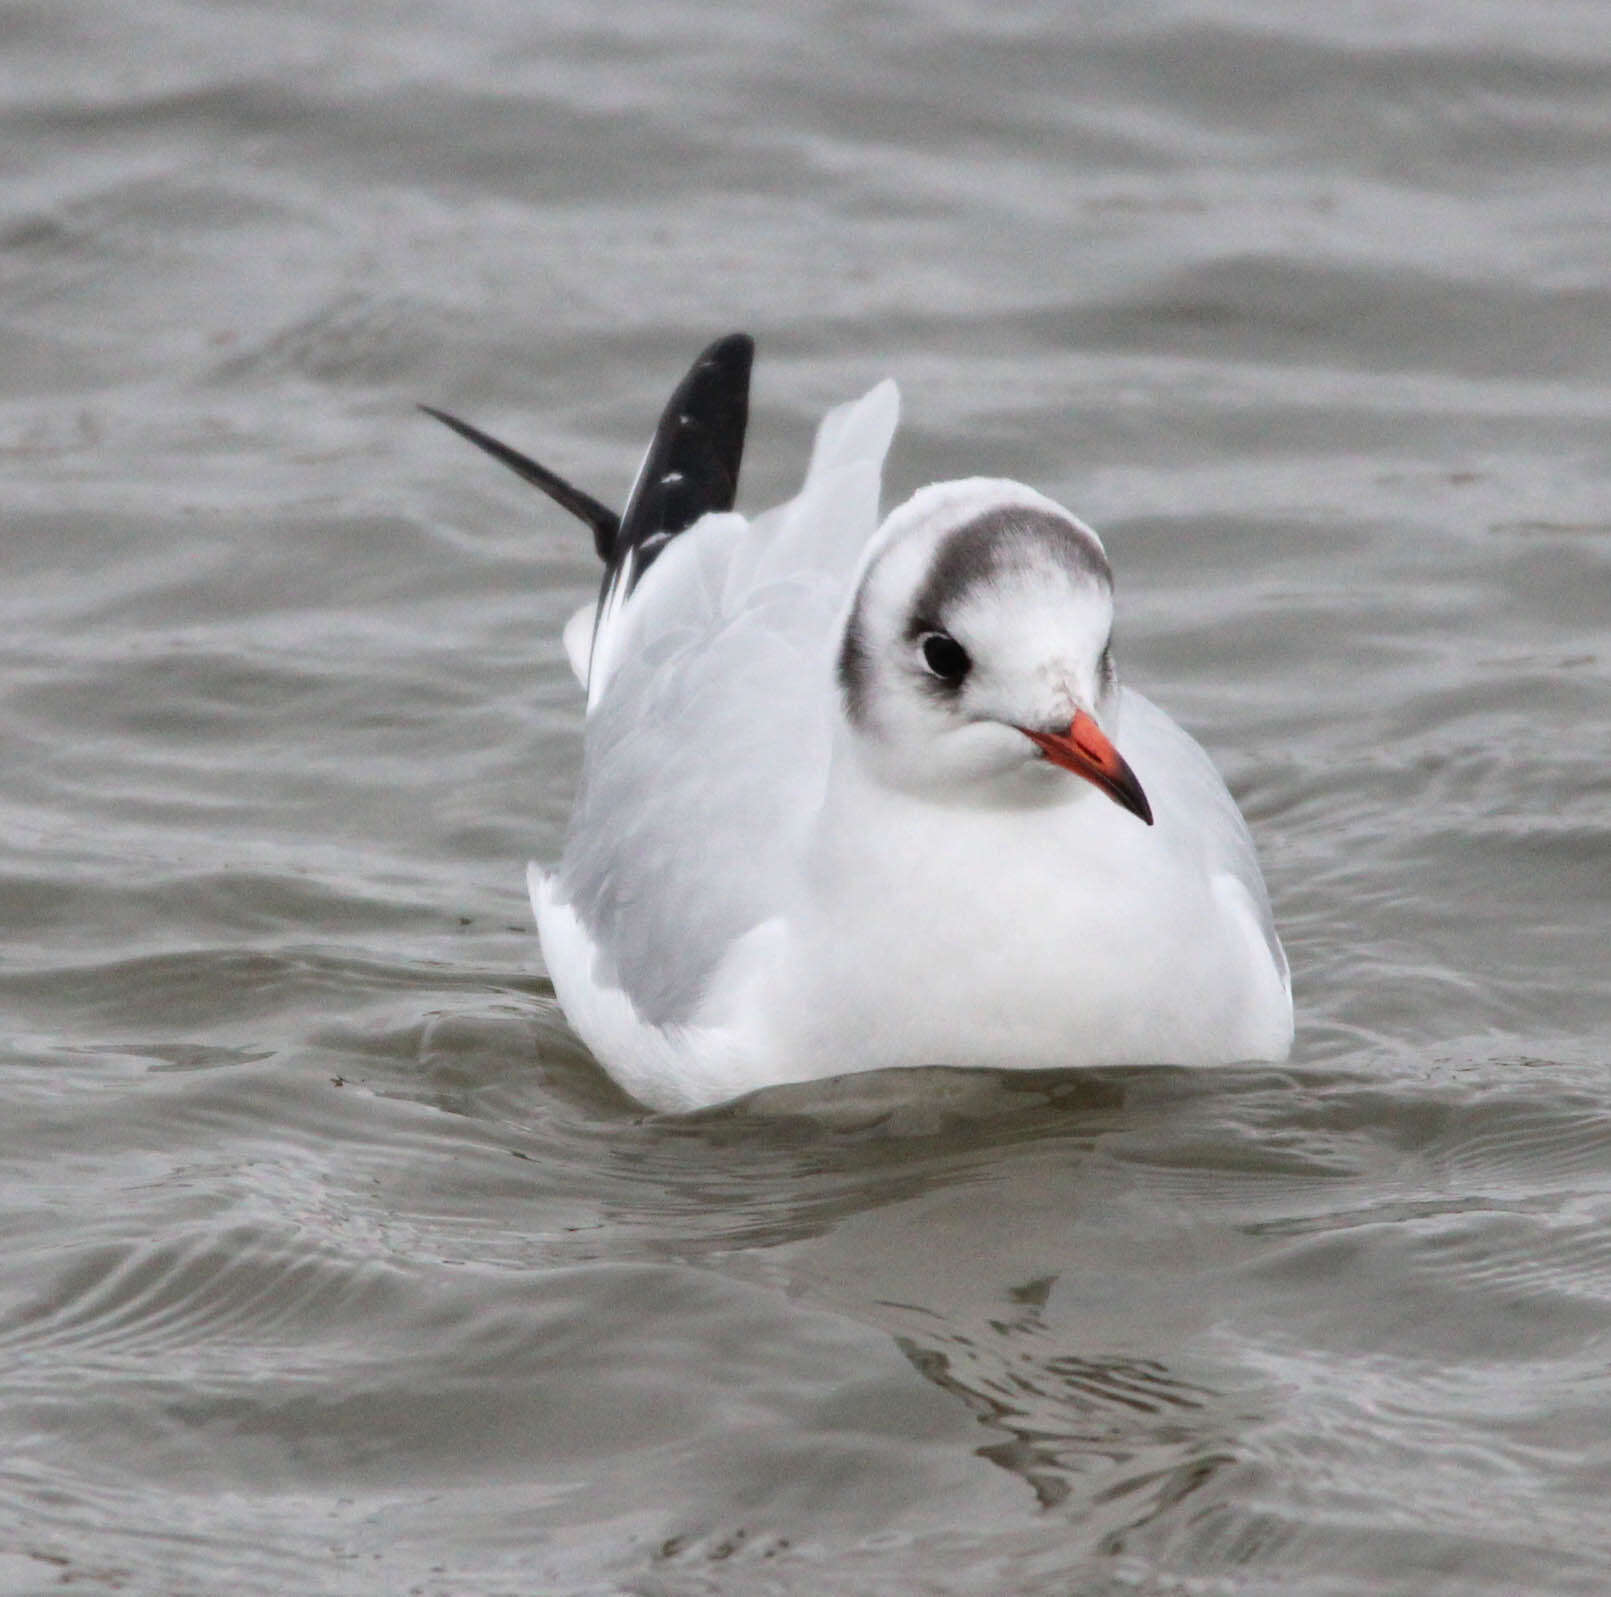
point(1085, 750)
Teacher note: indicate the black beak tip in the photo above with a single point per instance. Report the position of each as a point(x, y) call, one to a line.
point(1127, 792)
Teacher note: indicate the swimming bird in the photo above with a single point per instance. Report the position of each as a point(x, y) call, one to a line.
point(861, 794)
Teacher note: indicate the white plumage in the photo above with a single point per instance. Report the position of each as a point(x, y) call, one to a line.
point(820, 830)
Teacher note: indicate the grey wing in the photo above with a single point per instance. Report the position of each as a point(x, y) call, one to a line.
point(1196, 793)
point(708, 745)
point(695, 792)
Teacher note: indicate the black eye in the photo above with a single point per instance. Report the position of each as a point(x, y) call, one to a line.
point(945, 657)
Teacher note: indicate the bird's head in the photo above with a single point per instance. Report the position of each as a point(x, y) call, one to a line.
point(976, 663)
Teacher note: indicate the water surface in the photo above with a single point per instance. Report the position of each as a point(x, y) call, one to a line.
point(333, 1263)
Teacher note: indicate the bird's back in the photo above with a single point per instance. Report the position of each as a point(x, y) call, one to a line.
point(706, 749)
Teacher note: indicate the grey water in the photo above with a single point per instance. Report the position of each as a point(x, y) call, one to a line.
point(332, 1264)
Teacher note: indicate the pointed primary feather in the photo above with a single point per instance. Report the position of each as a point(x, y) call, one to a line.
point(604, 521)
point(691, 469)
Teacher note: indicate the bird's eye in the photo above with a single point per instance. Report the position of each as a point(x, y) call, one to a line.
point(945, 657)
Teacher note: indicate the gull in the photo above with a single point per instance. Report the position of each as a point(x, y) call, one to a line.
point(852, 792)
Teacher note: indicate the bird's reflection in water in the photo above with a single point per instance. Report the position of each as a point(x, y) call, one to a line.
point(1050, 1250)
point(1118, 1431)
point(1030, 1257)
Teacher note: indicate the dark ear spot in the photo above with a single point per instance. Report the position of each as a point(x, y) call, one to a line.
point(854, 668)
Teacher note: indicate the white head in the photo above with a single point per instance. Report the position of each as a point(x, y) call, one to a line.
point(976, 663)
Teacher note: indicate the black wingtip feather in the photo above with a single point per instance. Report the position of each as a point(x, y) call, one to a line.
point(693, 461)
point(691, 467)
point(605, 523)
